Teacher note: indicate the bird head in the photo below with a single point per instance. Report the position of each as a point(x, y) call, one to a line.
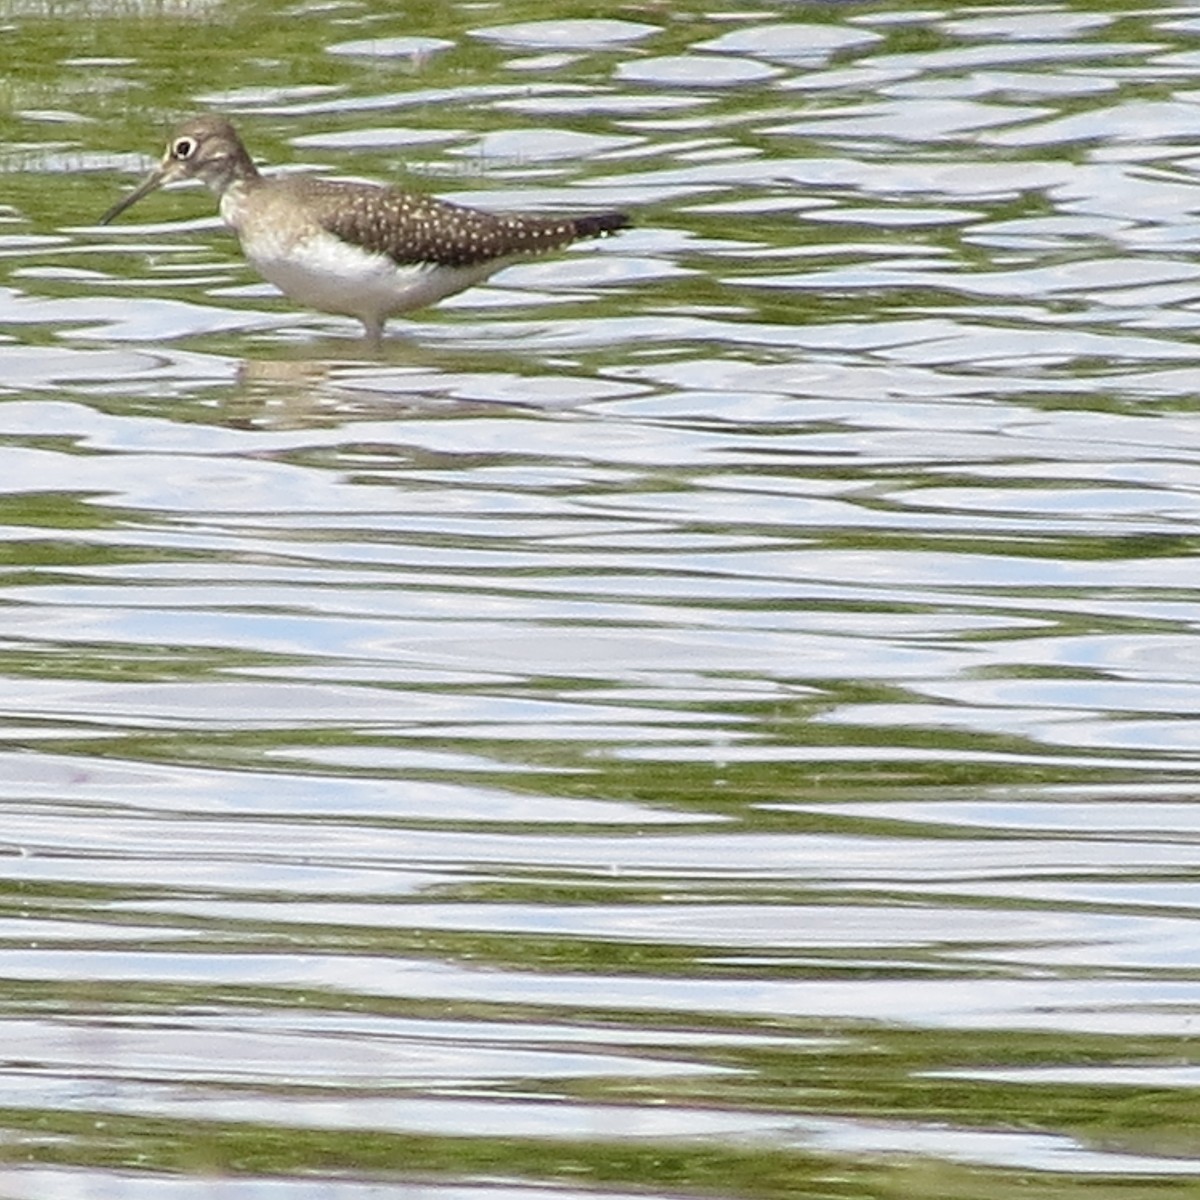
point(205, 148)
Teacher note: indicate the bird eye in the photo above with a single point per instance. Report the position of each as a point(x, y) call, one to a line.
point(183, 147)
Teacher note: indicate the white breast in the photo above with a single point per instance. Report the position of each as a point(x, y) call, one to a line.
point(320, 271)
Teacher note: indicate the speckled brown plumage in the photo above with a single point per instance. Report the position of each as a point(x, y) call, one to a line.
point(354, 248)
point(412, 228)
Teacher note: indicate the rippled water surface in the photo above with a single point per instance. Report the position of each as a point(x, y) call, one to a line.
point(713, 712)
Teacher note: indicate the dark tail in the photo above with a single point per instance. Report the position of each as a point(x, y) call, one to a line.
point(601, 224)
point(507, 235)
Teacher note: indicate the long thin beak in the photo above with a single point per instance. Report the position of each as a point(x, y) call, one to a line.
point(154, 180)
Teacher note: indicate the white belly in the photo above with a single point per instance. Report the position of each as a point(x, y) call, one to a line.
point(320, 271)
point(324, 273)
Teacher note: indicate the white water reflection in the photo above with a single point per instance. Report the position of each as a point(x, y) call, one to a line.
point(661, 685)
point(50, 1184)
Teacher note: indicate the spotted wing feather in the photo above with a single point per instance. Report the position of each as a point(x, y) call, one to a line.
point(412, 228)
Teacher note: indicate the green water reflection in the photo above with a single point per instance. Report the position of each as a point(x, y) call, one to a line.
point(404, 783)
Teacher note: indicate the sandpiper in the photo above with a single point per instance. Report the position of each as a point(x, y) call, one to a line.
point(358, 249)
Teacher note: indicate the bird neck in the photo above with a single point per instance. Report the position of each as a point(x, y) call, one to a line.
point(234, 170)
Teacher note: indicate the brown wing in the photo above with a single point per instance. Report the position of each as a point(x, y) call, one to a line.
point(412, 228)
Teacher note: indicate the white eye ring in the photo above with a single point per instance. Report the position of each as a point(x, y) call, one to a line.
point(184, 147)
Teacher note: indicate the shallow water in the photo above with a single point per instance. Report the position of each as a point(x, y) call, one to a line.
point(713, 712)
